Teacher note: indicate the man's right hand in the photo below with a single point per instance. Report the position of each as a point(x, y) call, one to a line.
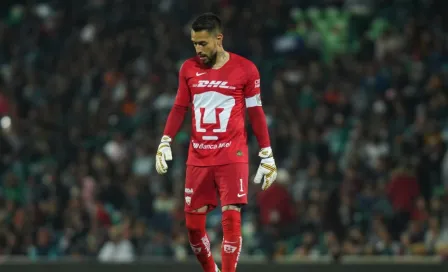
point(163, 154)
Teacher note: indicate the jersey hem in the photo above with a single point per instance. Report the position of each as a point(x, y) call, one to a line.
point(215, 164)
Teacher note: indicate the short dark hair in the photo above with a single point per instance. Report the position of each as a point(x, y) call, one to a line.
point(208, 22)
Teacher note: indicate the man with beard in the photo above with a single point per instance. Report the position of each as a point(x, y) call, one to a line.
point(219, 86)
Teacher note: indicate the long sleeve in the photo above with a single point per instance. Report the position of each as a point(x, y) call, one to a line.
point(255, 111)
point(180, 108)
point(175, 120)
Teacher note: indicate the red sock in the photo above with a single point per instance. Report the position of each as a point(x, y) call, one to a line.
point(232, 240)
point(199, 241)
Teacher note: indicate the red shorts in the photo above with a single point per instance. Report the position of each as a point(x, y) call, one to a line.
point(203, 184)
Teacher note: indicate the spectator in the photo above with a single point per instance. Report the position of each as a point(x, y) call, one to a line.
point(117, 249)
point(276, 204)
point(435, 238)
point(276, 212)
point(402, 191)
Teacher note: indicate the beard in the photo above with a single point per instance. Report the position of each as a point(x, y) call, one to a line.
point(210, 60)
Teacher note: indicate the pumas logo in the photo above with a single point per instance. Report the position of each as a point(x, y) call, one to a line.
point(213, 84)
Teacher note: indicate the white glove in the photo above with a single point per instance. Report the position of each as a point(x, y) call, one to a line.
point(163, 154)
point(267, 168)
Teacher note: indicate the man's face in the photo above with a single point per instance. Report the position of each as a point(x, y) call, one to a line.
point(206, 45)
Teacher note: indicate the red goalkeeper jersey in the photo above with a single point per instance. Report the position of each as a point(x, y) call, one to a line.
point(218, 99)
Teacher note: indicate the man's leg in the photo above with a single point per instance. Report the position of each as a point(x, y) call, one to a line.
point(199, 241)
point(232, 181)
point(200, 193)
point(232, 239)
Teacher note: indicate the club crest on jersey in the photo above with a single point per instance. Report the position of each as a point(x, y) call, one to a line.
point(213, 84)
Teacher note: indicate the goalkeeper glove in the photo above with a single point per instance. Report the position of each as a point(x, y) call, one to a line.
point(163, 154)
point(267, 171)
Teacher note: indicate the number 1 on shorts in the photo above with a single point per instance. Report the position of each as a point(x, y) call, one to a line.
point(241, 185)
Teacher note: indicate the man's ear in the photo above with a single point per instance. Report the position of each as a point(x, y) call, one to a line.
point(219, 39)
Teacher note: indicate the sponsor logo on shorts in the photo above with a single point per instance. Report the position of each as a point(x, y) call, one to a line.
point(188, 190)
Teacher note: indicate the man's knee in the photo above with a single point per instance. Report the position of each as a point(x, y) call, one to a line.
point(195, 220)
point(231, 207)
point(231, 222)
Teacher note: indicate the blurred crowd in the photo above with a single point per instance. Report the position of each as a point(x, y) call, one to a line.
point(355, 94)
